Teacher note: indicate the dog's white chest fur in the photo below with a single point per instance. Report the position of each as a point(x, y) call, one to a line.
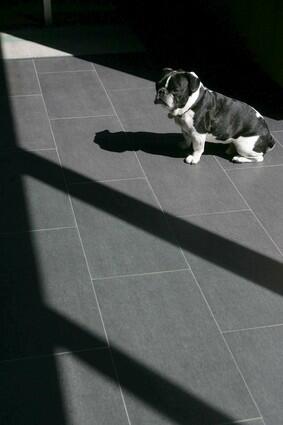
point(186, 121)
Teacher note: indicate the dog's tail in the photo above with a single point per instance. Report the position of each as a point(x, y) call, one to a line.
point(265, 143)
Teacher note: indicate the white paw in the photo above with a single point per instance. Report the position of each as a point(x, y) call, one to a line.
point(191, 159)
point(241, 159)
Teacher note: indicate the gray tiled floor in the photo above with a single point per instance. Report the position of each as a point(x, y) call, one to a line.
point(73, 94)
point(159, 308)
point(237, 266)
point(133, 234)
point(20, 78)
point(31, 124)
point(122, 71)
point(28, 180)
point(65, 286)
point(113, 310)
point(68, 387)
point(253, 184)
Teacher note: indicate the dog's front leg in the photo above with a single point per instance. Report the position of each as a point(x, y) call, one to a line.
point(198, 141)
point(187, 141)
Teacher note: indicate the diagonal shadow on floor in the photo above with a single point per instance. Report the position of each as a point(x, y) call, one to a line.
point(165, 397)
point(265, 271)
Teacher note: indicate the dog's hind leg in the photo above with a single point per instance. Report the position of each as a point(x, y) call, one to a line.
point(245, 148)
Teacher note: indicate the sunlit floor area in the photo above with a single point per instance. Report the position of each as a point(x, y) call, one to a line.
point(135, 289)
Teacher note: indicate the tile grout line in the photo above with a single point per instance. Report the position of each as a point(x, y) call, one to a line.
point(50, 229)
point(249, 167)
point(133, 88)
point(63, 72)
point(242, 421)
point(254, 328)
point(24, 95)
point(81, 117)
point(213, 213)
point(186, 261)
point(85, 257)
point(25, 150)
point(105, 181)
point(53, 354)
point(251, 210)
point(139, 274)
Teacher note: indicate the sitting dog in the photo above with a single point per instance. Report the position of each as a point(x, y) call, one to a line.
point(205, 115)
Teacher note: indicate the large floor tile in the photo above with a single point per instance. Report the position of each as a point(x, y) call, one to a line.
point(125, 71)
point(262, 188)
point(138, 112)
point(237, 267)
point(187, 189)
point(44, 272)
point(33, 194)
point(79, 141)
point(63, 63)
point(123, 230)
point(20, 77)
point(259, 355)
point(74, 94)
point(30, 126)
point(172, 362)
point(62, 390)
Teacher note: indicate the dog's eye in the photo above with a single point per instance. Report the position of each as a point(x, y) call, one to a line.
point(162, 91)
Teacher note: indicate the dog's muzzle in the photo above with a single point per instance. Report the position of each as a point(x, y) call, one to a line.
point(160, 96)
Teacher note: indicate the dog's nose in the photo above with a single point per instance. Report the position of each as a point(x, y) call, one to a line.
point(161, 92)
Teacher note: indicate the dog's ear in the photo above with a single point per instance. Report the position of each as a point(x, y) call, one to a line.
point(194, 81)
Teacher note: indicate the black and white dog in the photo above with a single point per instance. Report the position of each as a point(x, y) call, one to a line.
point(205, 115)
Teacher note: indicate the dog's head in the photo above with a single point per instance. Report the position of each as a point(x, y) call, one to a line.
point(175, 87)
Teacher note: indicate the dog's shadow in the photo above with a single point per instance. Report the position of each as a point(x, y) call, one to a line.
point(162, 144)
